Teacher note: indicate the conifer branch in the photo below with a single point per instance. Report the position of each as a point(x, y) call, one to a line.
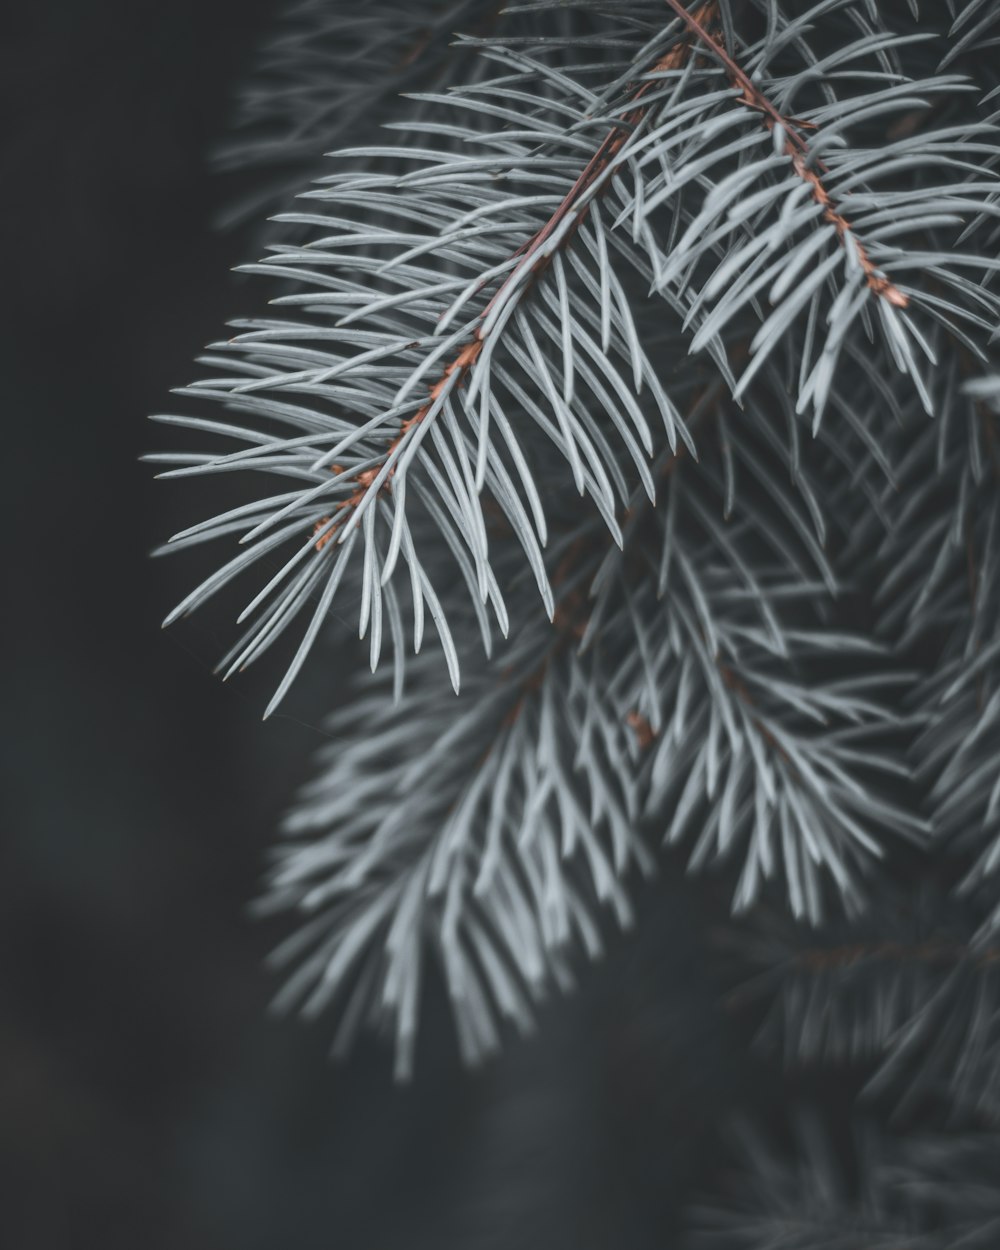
point(931, 1191)
point(535, 258)
point(797, 149)
point(420, 417)
point(911, 991)
point(937, 952)
point(779, 652)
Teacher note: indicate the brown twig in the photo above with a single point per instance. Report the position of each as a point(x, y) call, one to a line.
point(818, 959)
point(461, 365)
point(796, 148)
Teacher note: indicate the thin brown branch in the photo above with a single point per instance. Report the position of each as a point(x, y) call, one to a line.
point(947, 954)
point(797, 150)
point(461, 365)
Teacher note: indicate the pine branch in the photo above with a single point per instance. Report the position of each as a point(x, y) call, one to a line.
point(439, 409)
point(927, 1193)
point(933, 561)
point(788, 138)
point(911, 991)
point(655, 221)
point(533, 259)
point(670, 694)
point(388, 361)
point(822, 241)
point(325, 74)
point(484, 826)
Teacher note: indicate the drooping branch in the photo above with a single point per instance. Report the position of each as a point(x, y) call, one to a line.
point(797, 150)
point(576, 202)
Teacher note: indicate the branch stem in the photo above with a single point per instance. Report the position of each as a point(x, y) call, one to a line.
point(819, 959)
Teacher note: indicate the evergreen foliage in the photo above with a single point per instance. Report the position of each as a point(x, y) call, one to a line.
point(632, 384)
point(928, 1193)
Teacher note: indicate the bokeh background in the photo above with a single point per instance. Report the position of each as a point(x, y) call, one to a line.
point(147, 1100)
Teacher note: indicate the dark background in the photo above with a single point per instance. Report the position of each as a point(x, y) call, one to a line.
point(146, 1098)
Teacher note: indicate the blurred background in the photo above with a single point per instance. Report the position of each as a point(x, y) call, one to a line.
point(146, 1097)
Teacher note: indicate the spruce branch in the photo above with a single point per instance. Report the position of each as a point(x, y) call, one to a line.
point(533, 259)
point(427, 405)
point(821, 242)
point(676, 692)
point(933, 559)
point(924, 1193)
point(910, 991)
point(386, 364)
point(483, 829)
point(600, 230)
point(787, 132)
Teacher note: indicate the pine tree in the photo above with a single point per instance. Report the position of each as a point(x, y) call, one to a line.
point(631, 380)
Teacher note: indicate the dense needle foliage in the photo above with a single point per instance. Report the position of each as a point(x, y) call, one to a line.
point(630, 382)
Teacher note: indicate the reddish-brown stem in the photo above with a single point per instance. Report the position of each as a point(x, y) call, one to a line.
point(645, 734)
point(461, 365)
point(818, 959)
point(796, 148)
